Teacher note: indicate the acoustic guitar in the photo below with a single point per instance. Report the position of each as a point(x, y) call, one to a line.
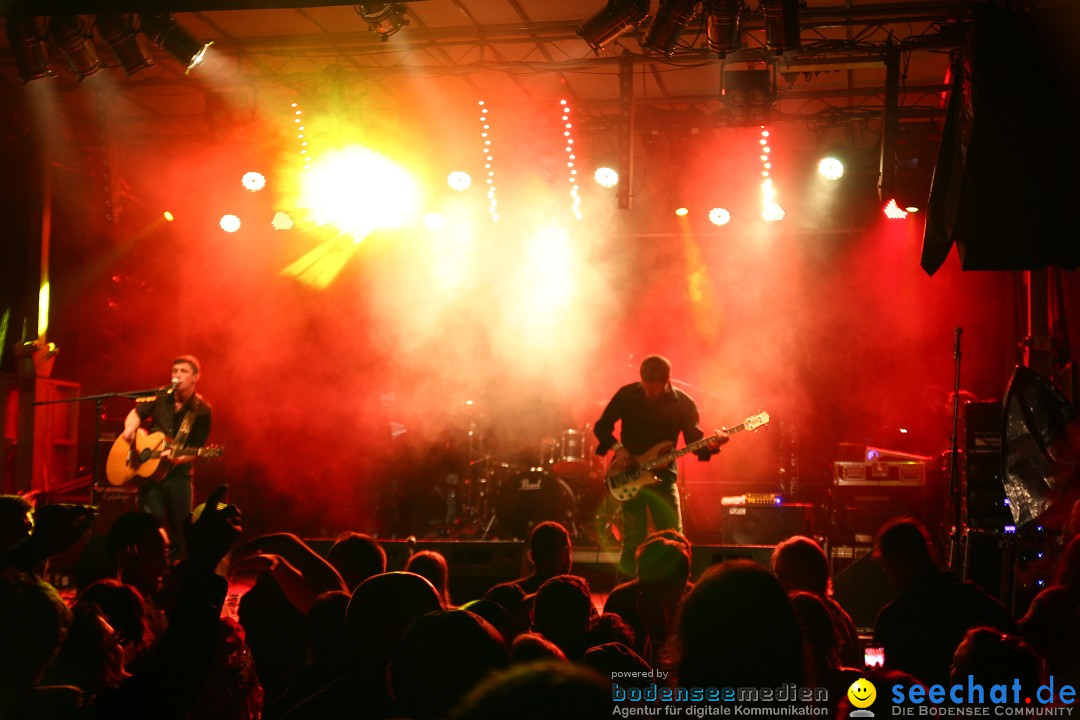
point(625, 484)
point(142, 458)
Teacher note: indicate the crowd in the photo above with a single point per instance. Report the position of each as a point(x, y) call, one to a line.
point(340, 637)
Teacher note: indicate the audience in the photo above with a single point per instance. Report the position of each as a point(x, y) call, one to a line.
point(800, 564)
point(152, 641)
point(648, 602)
point(933, 609)
point(736, 628)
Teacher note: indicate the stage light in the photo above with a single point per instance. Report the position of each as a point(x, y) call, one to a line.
point(668, 25)
point(118, 32)
point(831, 168)
point(229, 223)
point(253, 181)
point(773, 212)
point(893, 211)
point(748, 96)
point(616, 19)
point(282, 221)
point(722, 25)
point(385, 19)
point(77, 45)
point(459, 180)
point(682, 212)
point(434, 221)
point(719, 216)
point(28, 46)
point(781, 24)
point(169, 217)
point(164, 32)
point(606, 177)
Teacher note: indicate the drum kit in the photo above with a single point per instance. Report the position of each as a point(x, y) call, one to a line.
point(505, 497)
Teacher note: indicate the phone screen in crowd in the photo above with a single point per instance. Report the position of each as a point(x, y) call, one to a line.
point(874, 656)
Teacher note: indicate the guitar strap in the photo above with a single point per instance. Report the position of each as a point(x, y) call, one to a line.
point(185, 424)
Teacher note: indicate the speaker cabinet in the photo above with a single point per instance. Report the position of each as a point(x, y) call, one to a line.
point(705, 556)
point(765, 524)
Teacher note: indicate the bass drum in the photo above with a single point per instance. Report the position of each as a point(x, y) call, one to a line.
point(526, 498)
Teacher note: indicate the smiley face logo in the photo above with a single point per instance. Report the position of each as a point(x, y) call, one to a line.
point(862, 693)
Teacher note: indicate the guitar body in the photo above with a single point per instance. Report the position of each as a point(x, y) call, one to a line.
point(139, 459)
point(626, 484)
point(142, 458)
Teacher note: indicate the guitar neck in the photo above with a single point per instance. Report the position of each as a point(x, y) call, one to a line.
point(692, 447)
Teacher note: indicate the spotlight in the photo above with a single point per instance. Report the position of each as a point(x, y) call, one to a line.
point(282, 221)
point(682, 212)
point(67, 33)
point(28, 46)
point(606, 177)
point(229, 223)
point(164, 32)
point(384, 18)
point(719, 216)
point(619, 17)
point(670, 21)
point(118, 32)
point(893, 211)
point(722, 25)
point(748, 96)
point(781, 24)
point(831, 168)
point(459, 180)
point(253, 181)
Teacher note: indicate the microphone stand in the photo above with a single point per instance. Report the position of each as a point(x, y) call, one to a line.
point(99, 401)
point(954, 464)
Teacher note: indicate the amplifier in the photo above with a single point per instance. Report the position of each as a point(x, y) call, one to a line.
point(765, 524)
point(890, 473)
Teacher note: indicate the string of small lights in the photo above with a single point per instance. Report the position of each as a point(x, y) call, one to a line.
point(770, 208)
point(571, 157)
point(486, 147)
point(301, 134)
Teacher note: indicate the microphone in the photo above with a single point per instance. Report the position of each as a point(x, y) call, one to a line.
point(172, 388)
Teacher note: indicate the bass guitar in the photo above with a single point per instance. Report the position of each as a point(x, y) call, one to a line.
point(625, 484)
point(143, 457)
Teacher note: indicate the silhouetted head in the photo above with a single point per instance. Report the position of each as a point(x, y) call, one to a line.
point(740, 607)
point(562, 609)
point(326, 628)
point(381, 609)
point(549, 549)
point(33, 622)
point(15, 521)
point(442, 656)
point(357, 557)
point(663, 569)
point(902, 546)
point(537, 691)
point(432, 565)
point(992, 657)
point(139, 549)
point(124, 608)
point(530, 647)
point(819, 631)
point(800, 564)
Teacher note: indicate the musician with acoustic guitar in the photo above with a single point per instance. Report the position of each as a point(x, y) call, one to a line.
point(653, 414)
point(183, 417)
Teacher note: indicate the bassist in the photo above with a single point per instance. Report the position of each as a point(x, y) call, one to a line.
point(183, 415)
point(650, 412)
